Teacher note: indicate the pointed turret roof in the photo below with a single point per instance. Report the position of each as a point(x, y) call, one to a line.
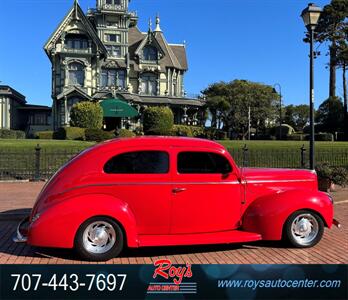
point(75, 13)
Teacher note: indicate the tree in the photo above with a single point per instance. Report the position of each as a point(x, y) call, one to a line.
point(342, 59)
point(217, 106)
point(158, 121)
point(230, 101)
point(86, 114)
point(332, 28)
point(330, 115)
point(296, 116)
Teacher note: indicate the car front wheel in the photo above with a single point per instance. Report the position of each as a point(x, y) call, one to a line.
point(99, 239)
point(304, 229)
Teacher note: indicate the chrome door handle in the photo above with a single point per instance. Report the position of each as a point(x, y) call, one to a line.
point(178, 190)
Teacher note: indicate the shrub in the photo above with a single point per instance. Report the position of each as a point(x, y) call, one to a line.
point(70, 133)
point(11, 134)
point(20, 135)
point(215, 134)
point(139, 131)
point(197, 131)
point(44, 135)
point(182, 130)
point(322, 137)
point(125, 133)
point(98, 135)
point(337, 175)
point(286, 130)
point(158, 121)
point(295, 137)
point(86, 115)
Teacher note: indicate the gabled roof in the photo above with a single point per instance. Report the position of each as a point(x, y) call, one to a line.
point(174, 55)
point(149, 40)
point(180, 52)
point(74, 90)
point(74, 13)
point(169, 59)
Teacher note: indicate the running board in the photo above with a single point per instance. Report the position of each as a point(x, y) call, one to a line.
point(224, 237)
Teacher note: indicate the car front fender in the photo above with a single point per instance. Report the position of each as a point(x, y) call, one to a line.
point(268, 214)
point(58, 224)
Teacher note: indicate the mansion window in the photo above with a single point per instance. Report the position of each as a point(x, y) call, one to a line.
point(114, 38)
point(114, 51)
point(149, 84)
point(175, 87)
point(113, 2)
point(150, 53)
point(76, 74)
point(113, 77)
point(38, 119)
point(76, 42)
point(112, 24)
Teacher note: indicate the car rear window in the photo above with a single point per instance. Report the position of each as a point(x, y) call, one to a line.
point(140, 162)
point(202, 163)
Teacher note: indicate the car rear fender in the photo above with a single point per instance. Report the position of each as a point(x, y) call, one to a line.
point(58, 224)
point(268, 214)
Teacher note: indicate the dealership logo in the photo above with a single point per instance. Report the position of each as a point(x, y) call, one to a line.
point(175, 279)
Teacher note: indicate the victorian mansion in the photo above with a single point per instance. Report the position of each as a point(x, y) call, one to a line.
point(103, 56)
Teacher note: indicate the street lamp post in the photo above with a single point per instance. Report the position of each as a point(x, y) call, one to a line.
point(310, 16)
point(280, 108)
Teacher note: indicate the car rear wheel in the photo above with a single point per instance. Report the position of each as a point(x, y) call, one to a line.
point(304, 229)
point(99, 239)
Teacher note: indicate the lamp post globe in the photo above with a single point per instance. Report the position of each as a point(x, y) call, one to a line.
point(310, 16)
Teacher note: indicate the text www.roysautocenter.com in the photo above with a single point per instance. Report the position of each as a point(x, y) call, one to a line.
point(278, 283)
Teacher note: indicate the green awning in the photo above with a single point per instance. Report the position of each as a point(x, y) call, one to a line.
point(117, 108)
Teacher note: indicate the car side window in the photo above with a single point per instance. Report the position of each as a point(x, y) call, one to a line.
point(202, 163)
point(140, 162)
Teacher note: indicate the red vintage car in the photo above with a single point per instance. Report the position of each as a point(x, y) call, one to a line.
point(164, 191)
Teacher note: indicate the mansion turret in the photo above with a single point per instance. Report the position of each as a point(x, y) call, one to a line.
point(103, 55)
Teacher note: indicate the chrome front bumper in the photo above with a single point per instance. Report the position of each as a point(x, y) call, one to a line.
point(21, 232)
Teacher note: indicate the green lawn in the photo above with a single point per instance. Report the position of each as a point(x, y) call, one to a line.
point(287, 153)
point(253, 145)
point(44, 144)
point(18, 158)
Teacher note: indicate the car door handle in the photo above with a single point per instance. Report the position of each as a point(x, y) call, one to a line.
point(178, 190)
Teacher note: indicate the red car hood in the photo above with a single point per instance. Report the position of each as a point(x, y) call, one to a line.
point(263, 174)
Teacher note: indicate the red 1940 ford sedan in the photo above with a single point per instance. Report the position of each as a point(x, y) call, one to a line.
point(158, 191)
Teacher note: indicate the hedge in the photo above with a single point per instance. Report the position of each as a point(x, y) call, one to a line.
point(182, 130)
point(125, 133)
point(70, 133)
point(11, 134)
point(44, 135)
point(322, 137)
point(86, 115)
point(296, 137)
point(98, 135)
point(158, 121)
point(215, 134)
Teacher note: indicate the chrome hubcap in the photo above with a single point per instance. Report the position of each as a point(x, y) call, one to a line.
point(99, 237)
point(304, 228)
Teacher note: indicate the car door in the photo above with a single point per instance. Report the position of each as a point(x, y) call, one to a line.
point(141, 178)
point(206, 192)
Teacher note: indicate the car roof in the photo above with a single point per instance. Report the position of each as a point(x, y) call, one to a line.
point(157, 141)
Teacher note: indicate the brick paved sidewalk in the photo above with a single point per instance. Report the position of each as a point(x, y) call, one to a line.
point(332, 249)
